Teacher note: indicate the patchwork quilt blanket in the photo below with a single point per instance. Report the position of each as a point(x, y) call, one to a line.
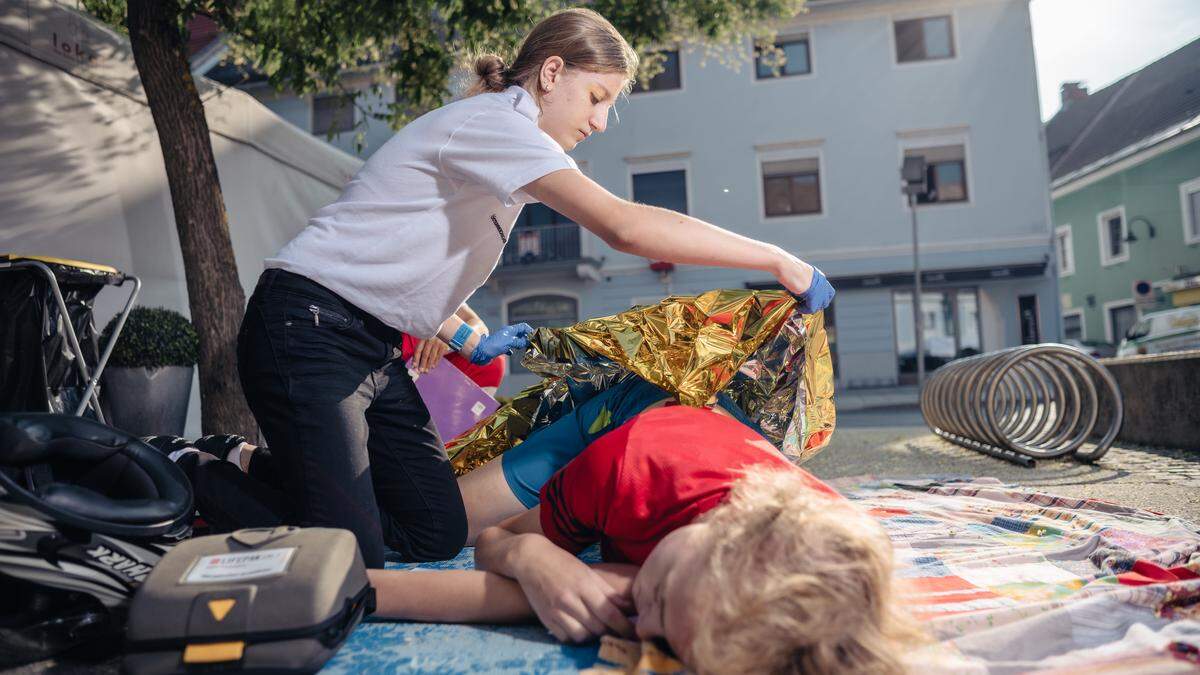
point(1011, 580)
point(1006, 579)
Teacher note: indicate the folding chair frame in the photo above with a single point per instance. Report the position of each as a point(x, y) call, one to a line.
point(90, 394)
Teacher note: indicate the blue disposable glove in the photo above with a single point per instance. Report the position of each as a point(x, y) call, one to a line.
point(818, 296)
point(503, 341)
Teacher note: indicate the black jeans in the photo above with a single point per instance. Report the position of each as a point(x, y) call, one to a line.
point(352, 443)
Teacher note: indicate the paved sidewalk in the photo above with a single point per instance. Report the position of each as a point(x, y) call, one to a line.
point(894, 442)
point(851, 400)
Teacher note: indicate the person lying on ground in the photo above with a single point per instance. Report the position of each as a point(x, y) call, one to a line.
point(512, 482)
point(713, 542)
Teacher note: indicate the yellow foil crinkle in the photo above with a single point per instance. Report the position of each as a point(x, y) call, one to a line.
point(688, 345)
point(773, 361)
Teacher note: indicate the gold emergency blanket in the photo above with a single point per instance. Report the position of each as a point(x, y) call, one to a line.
point(773, 361)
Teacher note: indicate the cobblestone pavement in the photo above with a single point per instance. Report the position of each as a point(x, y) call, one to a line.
point(895, 443)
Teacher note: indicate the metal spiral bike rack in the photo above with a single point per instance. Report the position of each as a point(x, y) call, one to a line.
point(1024, 403)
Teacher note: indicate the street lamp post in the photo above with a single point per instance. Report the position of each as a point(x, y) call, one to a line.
point(912, 173)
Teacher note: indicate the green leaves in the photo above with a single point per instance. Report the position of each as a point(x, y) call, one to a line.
point(153, 338)
point(414, 47)
point(111, 12)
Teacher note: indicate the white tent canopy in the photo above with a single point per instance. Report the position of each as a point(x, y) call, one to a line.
point(83, 172)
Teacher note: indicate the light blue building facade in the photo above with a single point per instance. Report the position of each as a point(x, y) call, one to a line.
point(808, 158)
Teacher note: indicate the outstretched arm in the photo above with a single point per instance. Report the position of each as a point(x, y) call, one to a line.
point(662, 234)
point(467, 596)
point(448, 596)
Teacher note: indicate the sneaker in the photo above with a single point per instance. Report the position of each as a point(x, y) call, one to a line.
point(167, 444)
point(173, 447)
point(219, 444)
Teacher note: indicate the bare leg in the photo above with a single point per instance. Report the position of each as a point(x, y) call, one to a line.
point(488, 498)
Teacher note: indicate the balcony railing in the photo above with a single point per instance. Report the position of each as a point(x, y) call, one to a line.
point(541, 244)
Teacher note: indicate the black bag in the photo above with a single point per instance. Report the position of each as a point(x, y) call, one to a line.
point(38, 372)
point(262, 600)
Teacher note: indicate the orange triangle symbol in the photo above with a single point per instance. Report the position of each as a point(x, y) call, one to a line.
point(220, 608)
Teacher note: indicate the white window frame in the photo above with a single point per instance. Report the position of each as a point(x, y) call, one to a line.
point(891, 29)
point(555, 290)
point(1078, 311)
point(913, 140)
point(1108, 327)
point(636, 95)
point(1069, 269)
point(1191, 230)
point(640, 165)
point(795, 33)
point(1102, 231)
point(808, 150)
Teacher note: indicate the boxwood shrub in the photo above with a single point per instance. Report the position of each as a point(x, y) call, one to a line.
point(153, 337)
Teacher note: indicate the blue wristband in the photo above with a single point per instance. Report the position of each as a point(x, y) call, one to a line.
point(461, 336)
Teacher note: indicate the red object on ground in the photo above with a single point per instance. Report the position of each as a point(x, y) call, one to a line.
point(1145, 572)
point(489, 375)
point(661, 266)
point(650, 476)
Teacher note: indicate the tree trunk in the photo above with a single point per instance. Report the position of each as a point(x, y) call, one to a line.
point(215, 295)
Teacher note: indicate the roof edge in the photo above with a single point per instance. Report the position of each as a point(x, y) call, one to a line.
point(1085, 175)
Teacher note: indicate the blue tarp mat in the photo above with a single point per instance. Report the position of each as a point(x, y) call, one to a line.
point(406, 647)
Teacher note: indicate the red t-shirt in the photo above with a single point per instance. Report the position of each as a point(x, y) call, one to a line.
point(656, 473)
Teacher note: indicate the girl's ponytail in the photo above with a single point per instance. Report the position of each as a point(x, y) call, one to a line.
point(580, 37)
point(491, 74)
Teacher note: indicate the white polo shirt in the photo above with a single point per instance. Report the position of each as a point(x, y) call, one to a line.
point(424, 221)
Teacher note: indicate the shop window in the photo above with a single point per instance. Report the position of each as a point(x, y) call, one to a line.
point(950, 321)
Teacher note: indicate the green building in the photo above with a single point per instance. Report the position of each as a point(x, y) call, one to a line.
point(1125, 190)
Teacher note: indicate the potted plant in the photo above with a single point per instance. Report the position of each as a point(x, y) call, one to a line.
point(148, 380)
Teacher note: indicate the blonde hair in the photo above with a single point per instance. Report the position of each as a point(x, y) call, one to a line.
point(795, 582)
point(580, 37)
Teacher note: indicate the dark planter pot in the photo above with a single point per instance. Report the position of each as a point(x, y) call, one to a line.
point(149, 401)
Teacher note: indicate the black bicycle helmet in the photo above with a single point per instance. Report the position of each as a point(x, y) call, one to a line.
point(86, 511)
